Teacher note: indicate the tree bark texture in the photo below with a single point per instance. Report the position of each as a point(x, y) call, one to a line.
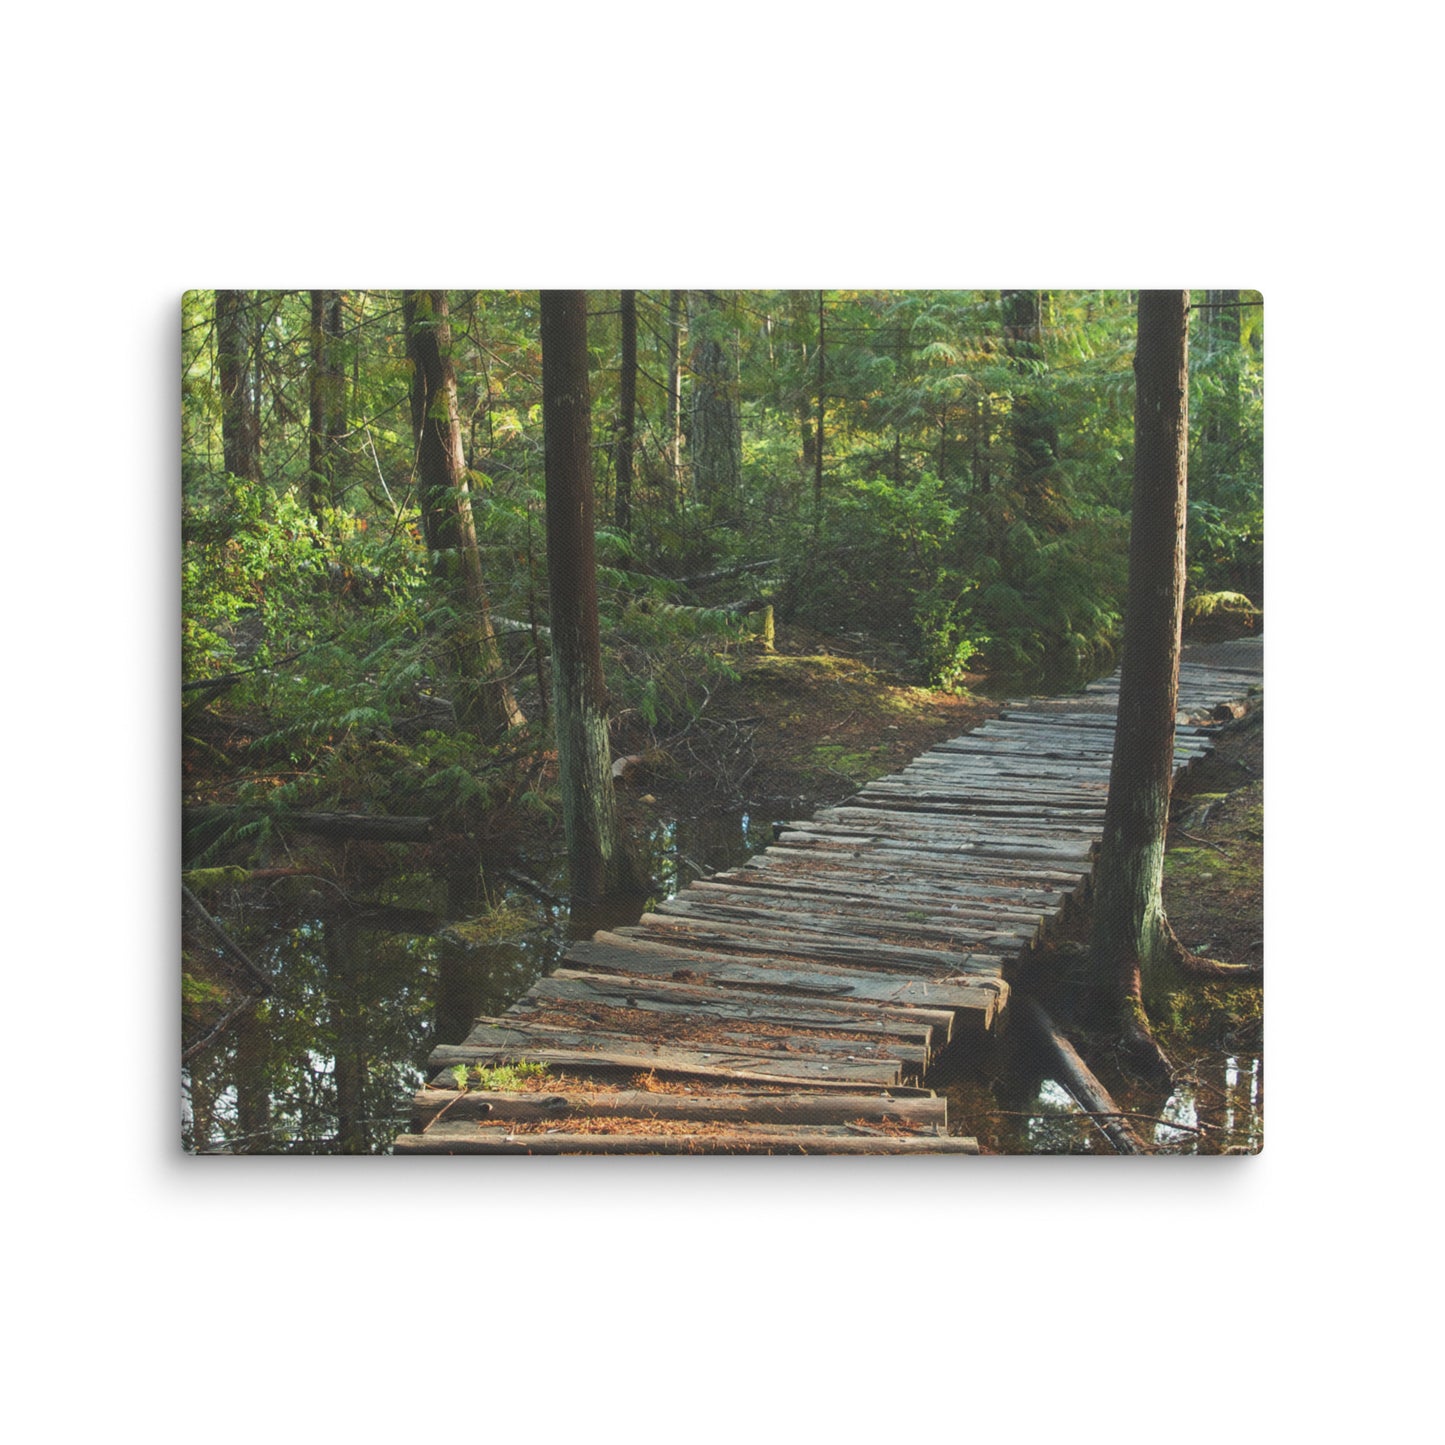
point(818, 448)
point(627, 409)
point(1131, 937)
point(240, 405)
point(598, 861)
point(716, 442)
point(676, 319)
point(446, 509)
point(328, 400)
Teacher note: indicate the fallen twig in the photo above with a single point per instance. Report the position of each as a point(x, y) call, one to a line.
point(1096, 1114)
point(229, 943)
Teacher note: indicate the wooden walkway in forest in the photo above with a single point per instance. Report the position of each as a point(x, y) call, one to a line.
point(793, 1005)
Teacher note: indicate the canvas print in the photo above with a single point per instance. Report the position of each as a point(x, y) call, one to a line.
point(700, 721)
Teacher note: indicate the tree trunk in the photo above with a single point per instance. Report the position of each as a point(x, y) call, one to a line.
point(349, 1065)
point(599, 863)
point(484, 699)
point(627, 410)
point(328, 400)
point(818, 448)
point(676, 317)
point(253, 1096)
point(240, 404)
point(716, 442)
point(1035, 438)
point(1131, 937)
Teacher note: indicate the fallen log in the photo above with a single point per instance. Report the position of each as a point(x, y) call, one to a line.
point(366, 827)
point(1076, 1076)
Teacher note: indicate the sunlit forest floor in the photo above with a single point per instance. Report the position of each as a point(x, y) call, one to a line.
point(804, 726)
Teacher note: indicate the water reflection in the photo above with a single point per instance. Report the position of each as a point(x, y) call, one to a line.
point(364, 993)
point(1011, 1105)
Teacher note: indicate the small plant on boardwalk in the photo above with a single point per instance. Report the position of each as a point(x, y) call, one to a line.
point(508, 1077)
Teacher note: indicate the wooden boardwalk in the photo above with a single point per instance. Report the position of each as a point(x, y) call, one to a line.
point(793, 1005)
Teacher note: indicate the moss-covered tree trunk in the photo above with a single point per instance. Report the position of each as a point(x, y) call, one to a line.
point(328, 400)
point(485, 700)
point(1132, 944)
point(240, 402)
point(599, 862)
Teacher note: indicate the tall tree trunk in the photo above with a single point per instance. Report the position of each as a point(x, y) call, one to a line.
point(236, 345)
point(599, 862)
point(716, 443)
point(328, 400)
point(1132, 945)
point(485, 699)
point(253, 1094)
point(822, 403)
point(676, 319)
point(1036, 440)
point(349, 1065)
point(897, 433)
point(627, 409)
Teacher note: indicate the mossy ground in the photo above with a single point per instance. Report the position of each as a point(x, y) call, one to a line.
point(803, 726)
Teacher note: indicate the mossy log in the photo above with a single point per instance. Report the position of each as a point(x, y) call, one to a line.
point(367, 827)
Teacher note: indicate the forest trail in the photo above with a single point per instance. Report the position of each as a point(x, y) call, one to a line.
point(795, 1004)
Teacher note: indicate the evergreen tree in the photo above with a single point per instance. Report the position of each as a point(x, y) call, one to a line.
point(237, 365)
point(446, 509)
point(600, 863)
point(1136, 954)
point(715, 443)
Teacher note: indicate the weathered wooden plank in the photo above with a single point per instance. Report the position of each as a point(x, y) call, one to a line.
point(1017, 781)
point(807, 944)
point(863, 920)
point(924, 1113)
point(911, 947)
point(1044, 750)
point(931, 1028)
point(890, 860)
point(566, 1007)
point(951, 821)
point(742, 1038)
point(981, 845)
point(979, 995)
point(611, 1055)
point(932, 907)
point(780, 867)
point(982, 804)
point(474, 1139)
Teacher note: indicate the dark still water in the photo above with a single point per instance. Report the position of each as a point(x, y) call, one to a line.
point(365, 989)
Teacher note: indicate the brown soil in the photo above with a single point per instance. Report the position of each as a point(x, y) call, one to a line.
point(806, 725)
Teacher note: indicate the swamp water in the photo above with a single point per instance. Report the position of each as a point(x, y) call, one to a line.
point(366, 990)
point(1024, 1111)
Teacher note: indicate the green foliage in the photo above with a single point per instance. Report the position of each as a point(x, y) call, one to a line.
point(201, 992)
point(497, 1078)
point(976, 484)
